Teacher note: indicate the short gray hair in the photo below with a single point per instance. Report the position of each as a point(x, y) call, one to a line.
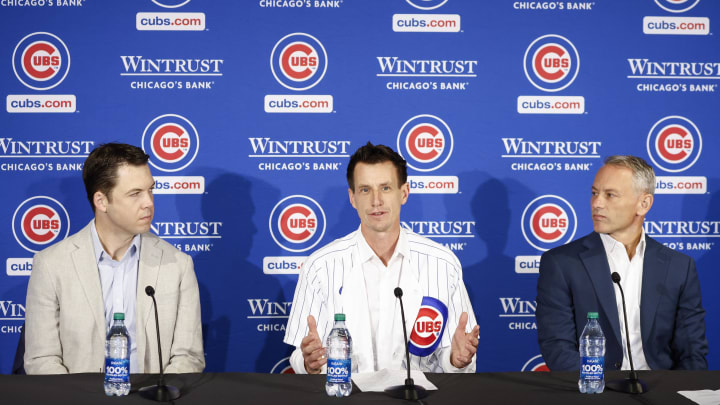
point(642, 172)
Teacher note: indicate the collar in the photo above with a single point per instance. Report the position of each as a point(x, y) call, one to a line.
point(100, 252)
point(611, 244)
point(402, 247)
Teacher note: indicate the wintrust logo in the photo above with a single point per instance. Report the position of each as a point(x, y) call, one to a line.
point(18, 155)
point(519, 312)
point(271, 315)
point(685, 235)
point(12, 316)
point(546, 156)
point(426, 74)
point(171, 73)
point(298, 155)
point(669, 77)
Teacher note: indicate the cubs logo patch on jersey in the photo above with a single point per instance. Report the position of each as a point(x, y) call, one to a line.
point(428, 327)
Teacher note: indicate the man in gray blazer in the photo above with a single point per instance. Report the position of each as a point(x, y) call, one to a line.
point(77, 284)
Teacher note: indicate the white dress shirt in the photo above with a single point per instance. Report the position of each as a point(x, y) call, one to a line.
point(118, 280)
point(334, 279)
point(631, 272)
point(380, 279)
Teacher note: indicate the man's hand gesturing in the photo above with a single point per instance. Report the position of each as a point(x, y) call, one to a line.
point(464, 345)
point(312, 350)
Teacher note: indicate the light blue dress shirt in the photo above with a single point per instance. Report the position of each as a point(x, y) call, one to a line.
point(118, 280)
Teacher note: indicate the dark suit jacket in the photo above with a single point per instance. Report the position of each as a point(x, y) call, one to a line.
point(575, 279)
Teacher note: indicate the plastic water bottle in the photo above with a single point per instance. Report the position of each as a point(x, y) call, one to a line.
point(592, 355)
point(117, 358)
point(339, 366)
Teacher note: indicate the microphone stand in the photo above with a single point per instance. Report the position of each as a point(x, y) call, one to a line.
point(409, 391)
point(159, 392)
point(632, 384)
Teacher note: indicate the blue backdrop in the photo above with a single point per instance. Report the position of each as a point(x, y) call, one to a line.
point(249, 110)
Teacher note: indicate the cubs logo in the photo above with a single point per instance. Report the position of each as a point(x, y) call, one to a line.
point(548, 221)
point(41, 61)
point(551, 63)
point(426, 4)
point(40, 221)
point(297, 223)
point(677, 6)
point(535, 364)
point(282, 367)
point(172, 142)
point(298, 61)
point(428, 327)
point(171, 3)
point(674, 143)
point(425, 142)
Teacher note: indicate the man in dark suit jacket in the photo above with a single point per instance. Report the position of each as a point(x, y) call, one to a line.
point(576, 279)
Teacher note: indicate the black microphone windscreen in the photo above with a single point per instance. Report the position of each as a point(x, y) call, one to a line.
point(149, 291)
point(398, 292)
point(615, 277)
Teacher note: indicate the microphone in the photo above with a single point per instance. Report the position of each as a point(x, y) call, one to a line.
point(409, 391)
point(159, 392)
point(630, 385)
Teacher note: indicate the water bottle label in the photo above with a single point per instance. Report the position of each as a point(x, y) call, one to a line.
point(338, 370)
point(592, 368)
point(117, 370)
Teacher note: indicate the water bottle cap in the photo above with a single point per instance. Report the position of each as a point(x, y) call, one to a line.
point(339, 317)
point(592, 315)
point(119, 316)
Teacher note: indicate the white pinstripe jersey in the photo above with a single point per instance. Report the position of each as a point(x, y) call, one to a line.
point(331, 279)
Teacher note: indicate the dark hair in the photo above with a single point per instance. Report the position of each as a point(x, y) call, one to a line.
point(372, 154)
point(100, 169)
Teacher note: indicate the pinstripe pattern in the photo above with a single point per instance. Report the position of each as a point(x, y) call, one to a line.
point(317, 293)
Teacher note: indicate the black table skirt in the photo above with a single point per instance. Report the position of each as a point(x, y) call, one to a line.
point(240, 388)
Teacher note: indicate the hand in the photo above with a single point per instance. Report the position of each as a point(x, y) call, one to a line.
point(312, 350)
point(464, 345)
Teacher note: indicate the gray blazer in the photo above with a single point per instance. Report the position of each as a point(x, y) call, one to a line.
point(65, 322)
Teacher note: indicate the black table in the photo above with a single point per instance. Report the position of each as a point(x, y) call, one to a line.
point(240, 388)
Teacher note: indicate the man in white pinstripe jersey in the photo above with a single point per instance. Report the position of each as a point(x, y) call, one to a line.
point(357, 274)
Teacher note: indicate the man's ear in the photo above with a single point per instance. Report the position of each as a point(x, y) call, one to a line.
point(405, 189)
point(351, 196)
point(646, 202)
point(100, 201)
